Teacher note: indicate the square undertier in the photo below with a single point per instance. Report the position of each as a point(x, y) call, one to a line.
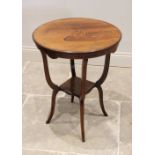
point(73, 86)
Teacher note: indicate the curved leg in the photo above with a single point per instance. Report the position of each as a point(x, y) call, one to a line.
point(72, 65)
point(82, 97)
point(46, 70)
point(100, 91)
point(82, 119)
point(55, 91)
point(51, 84)
point(101, 80)
point(105, 70)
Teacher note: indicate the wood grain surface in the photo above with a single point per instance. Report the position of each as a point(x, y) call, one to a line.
point(76, 35)
point(77, 38)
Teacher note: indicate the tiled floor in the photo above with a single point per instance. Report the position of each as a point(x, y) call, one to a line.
point(104, 135)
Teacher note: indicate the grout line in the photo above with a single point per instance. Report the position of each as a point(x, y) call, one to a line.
point(119, 120)
point(63, 95)
point(89, 64)
point(42, 94)
point(36, 94)
point(52, 151)
point(65, 153)
point(32, 95)
point(119, 116)
point(25, 66)
point(59, 62)
point(26, 99)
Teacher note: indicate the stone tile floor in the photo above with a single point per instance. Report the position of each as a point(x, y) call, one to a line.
point(104, 135)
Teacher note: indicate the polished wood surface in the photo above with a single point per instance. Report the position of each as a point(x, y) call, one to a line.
point(72, 65)
point(73, 86)
point(82, 96)
point(77, 38)
point(76, 35)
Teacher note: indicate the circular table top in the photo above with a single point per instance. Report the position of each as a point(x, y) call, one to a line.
point(77, 36)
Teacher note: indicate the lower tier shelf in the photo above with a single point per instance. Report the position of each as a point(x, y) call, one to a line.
point(73, 86)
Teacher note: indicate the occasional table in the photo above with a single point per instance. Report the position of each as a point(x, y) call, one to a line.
point(77, 38)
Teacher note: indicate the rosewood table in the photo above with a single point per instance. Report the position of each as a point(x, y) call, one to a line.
point(77, 38)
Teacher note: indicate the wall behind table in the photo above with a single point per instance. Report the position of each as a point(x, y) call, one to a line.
point(118, 12)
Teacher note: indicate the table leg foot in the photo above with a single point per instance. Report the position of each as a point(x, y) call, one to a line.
point(82, 96)
point(82, 119)
point(55, 91)
point(100, 91)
